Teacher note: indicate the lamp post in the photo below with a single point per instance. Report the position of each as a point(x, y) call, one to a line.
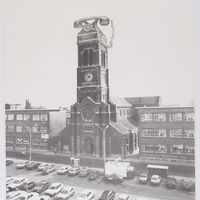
point(104, 143)
point(30, 136)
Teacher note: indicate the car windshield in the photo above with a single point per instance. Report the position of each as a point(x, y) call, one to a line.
point(16, 181)
point(13, 195)
point(20, 198)
point(64, 191)
point(105, 194)
point(143, 175)
point(155, 178)
point(52, 187)
point(40, 184)
point(83, 195)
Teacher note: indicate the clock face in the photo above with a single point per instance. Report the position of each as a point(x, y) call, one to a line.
point(88, 113)
point(88, 76)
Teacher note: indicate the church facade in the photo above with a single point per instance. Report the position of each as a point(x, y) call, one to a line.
point(95, 127)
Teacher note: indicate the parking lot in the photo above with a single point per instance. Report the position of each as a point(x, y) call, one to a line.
point(132, 187)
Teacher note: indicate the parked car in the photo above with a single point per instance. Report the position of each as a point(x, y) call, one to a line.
point(64, 169)
point(13, 194)
point(48, 170)
point(86, 195)
point(32, 165)
point(84, 171)
point(143, 178)
point(42, 197)
point(113, 178)
point(41, 186)
point(124, 197)
point(22, 165)
point(54, 189)
point(9, 162)
point(66, 193)
point(9, 180)
point(93, 175)
point(171, 182)
point(43, 165)
point(73, 171)
point(26, 196)
point(16, 183)
point(186, 184)
point(107, 195)
point(155, 180)
point(27, 186)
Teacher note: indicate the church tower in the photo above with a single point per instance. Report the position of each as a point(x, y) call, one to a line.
point(93, 111)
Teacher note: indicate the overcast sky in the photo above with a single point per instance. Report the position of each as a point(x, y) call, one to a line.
point(153, 49)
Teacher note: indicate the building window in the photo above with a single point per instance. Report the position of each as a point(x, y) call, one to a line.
point(177, 149)
point(153, 132)
point(147, 148)
point(189, 133)
point(44, 117)
point(159, 117)
point(19, 129)
point(6, 117)
point(188, 117)
point(85, 57)
point(10, 128)
point(103, 59)
point(27, 117)
point(43, 129)
point(26, 141)
point(10, 140)
point(36, 117)
point(10, 117)
point(159, 148)
point(175, 117)
point(154, 148)
point(43, 142)
point(160, 133)
point(88, 127)
point(19, 140)
point(19, 117)
point(147, 132)
point(35, 141)
point(35, 129)
point(91, 57)
point(147, 117)
point(189, 150)
point(176, 133)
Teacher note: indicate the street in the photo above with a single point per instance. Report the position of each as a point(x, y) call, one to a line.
point(131, 187)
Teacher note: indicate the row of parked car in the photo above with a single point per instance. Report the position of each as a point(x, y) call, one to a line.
point(171, 182)
point(24, 189)
point(46, 168)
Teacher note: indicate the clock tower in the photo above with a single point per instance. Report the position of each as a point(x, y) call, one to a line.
point(93, 111)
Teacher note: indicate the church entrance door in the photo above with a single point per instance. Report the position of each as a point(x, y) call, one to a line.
point(88, 146)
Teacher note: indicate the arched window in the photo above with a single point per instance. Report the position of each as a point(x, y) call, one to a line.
point(102, 57)
point(91, 57)
point(85, 57)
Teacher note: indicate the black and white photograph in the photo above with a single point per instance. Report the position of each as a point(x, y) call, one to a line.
point(99, 99)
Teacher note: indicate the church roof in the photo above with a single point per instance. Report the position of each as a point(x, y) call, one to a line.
point(144, 101)
point(123, 125)
point(120, 102)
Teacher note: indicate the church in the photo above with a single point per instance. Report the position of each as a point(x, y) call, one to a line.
point(98, 125)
